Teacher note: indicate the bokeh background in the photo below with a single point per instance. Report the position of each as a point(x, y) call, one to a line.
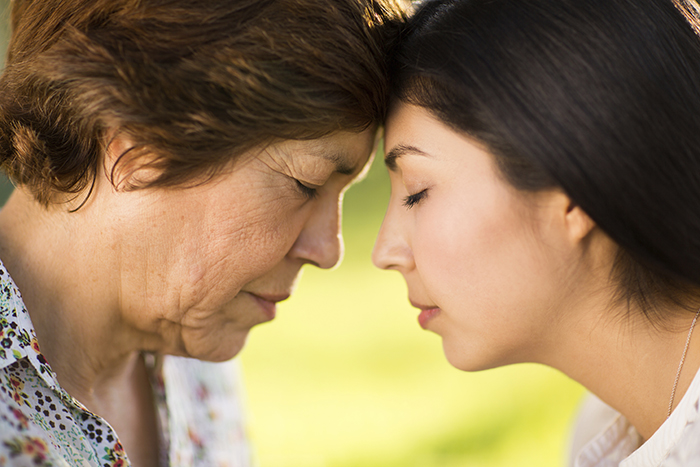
point(345, 377)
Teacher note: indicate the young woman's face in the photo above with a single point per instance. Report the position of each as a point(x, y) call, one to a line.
point(478, 257)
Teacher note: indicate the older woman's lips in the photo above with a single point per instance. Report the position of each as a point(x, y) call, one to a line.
point(268, 303)
point(427, 314)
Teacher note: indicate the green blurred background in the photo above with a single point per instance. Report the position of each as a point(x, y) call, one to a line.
point(345, 377)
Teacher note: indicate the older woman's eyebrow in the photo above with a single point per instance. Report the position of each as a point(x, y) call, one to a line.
point(398, 151)
point(339, 160)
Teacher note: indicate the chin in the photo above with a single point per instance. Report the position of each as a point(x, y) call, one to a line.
point(469, 359)
point(219, 350)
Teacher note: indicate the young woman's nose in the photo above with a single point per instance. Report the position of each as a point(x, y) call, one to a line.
point(391, 250)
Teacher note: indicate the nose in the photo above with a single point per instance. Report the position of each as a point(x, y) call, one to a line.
point(391, 249)
point(320, 241)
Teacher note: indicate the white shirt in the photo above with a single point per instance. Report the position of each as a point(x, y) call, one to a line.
point(676, 443)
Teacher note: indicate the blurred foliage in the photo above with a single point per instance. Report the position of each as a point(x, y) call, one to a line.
point(344, 377)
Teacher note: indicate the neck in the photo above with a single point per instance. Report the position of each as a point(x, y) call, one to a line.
point(56, 258)
point(629, 363)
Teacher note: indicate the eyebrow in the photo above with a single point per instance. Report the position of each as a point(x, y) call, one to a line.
point(341, 163)
point(398, 151)
point(339, 160)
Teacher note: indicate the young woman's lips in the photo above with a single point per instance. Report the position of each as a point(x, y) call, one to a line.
point(268, 303)
point(427, 314)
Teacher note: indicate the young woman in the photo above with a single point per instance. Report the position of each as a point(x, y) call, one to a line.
point(545, 167)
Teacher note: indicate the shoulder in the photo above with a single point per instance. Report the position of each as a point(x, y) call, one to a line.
point(687, 448)
point(36, 429)
point(22, 442)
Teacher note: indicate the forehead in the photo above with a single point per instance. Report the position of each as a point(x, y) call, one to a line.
point(415, 135)
point(408, 124)
point(346, 151)
point(413, 131)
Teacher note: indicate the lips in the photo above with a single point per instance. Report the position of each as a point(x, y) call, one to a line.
point(268, 303)
point(428, 312)
point(426, 315)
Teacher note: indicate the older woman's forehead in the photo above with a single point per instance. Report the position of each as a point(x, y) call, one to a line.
point(348, 152)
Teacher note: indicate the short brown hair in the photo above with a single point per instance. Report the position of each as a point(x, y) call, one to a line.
point(191, 83)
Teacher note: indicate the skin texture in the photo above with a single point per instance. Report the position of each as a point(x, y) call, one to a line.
point(173, 270)
point(518, 277)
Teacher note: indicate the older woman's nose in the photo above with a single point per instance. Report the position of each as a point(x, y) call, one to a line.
point(391, 249)
point(320, 241)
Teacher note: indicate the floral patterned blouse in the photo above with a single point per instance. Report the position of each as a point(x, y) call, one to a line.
point(42, 425)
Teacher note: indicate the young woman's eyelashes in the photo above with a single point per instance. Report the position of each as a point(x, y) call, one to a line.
point(411, 200)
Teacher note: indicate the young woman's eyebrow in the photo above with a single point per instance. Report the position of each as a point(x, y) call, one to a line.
point(398, 151)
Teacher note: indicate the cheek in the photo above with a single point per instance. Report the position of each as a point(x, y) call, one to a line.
point(461, 246)
point(240, 247)
point(480, 264)
point(495, 280)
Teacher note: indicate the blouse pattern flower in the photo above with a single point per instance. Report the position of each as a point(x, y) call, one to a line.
point(42, 425)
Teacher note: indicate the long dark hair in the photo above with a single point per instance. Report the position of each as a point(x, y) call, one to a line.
point(598, 97)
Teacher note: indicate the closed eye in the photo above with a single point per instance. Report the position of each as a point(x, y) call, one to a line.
point(305, 190)
point(412, 200)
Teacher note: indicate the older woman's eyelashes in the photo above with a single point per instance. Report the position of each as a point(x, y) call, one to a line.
point(411, 200)
point(306, 190)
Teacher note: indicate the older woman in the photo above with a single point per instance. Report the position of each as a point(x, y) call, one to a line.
point(176, 164)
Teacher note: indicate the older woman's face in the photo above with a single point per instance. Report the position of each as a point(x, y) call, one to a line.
point(203, 265)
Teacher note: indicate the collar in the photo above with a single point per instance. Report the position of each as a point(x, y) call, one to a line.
point(17, 335)
point(669, 435)
point(620, 444)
